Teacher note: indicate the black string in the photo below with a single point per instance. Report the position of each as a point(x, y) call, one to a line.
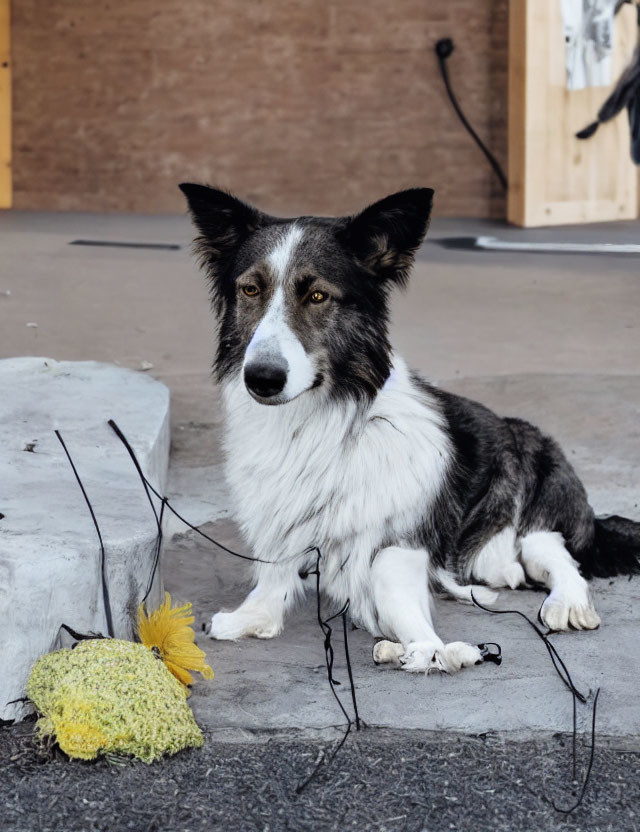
point(80, 636)
point(562, 671)
point(156, 558)
point(352, 686)
point(589, 767)
point(149, 487)
point(444, 48)
point(324, 624)
point(329, 657)
point(555, 657)
point(105, 588)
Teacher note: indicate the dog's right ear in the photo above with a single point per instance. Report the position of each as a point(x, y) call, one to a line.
point(224, 222)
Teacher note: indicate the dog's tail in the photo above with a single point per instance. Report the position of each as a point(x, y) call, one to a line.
point(616, 549)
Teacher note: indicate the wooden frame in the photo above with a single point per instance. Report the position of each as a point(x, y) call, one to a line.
point(555, 178)
point(5, 105)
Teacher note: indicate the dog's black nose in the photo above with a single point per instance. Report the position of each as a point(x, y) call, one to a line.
point(265, 380)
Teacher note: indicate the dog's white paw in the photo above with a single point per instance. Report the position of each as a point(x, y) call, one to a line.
point(569, 611)
point(227, 626)
point(459, 654)
point(428, 656)
point(387, 652)
point(423, 657)
point(224, 625)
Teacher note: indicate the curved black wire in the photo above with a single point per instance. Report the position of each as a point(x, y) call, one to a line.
point(555, 657)
point(589, 766)
point(323, 623)
point(329, 657)
point(105, 588)
point(156, 556)
point(149, 487)
point(562, 671)
point(443, 49)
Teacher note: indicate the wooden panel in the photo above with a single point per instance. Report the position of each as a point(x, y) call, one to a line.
point(555, 178)
point(5, 106)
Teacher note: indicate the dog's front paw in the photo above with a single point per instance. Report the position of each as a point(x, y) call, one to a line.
point(428, 657)
point(459, 654)
point(387, 652)
point(423, 657)
point(227, 626)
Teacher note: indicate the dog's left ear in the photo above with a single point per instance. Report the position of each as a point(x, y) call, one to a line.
point(387, 234)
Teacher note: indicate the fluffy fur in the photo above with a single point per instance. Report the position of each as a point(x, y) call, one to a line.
point(332, 442)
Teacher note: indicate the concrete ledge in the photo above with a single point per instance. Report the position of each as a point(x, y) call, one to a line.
point(49, 551)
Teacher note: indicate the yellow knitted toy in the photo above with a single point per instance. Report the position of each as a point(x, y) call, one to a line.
point(114, 696)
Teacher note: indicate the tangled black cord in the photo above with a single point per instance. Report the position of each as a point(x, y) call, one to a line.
point(562, 671)
point(324, 624)
point(329, 657)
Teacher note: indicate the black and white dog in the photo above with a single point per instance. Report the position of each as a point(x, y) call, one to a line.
point(331, 441)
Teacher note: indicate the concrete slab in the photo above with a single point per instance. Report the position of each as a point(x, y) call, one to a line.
point(49, 551)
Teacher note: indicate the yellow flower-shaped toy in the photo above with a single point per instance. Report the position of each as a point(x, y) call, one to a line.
point(168, 633)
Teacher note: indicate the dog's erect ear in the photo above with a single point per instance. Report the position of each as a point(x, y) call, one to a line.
point(386, 235)
point(223, 221)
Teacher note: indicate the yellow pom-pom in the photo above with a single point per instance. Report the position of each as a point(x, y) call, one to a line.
point(167, 632)
point(111, 696)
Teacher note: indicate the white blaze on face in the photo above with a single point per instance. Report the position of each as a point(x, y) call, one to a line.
point(274, 343)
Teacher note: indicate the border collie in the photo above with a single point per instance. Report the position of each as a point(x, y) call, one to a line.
point(331, 441)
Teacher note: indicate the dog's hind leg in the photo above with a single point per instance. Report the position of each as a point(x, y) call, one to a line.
point(402, 606)
point(569, 605)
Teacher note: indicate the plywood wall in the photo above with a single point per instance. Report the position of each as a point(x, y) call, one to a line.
point(555, 178)
point(300, 105)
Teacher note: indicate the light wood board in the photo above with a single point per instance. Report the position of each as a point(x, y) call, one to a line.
point(555, 178)
point(5, 105)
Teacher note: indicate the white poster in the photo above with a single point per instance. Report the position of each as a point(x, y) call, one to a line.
point(588, 36)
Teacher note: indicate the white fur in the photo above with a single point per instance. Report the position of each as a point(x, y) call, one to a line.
point(273, 341)
point(349, 479)
point(463, 593)
point(497, 562)
point(343, 478)
point(399, 581)
point(547, 560)
point(280, 257)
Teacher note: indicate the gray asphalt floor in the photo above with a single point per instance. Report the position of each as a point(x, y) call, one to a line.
point(382, 780)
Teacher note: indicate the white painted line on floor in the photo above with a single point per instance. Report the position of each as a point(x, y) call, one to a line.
point(494, 243)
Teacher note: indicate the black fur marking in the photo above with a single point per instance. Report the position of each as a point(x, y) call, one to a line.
point(507, 472)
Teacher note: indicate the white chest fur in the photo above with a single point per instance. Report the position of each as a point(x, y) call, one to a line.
point(336, 476)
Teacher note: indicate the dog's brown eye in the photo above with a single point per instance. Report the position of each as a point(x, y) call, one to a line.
point(251, 291)
point(317, 297)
